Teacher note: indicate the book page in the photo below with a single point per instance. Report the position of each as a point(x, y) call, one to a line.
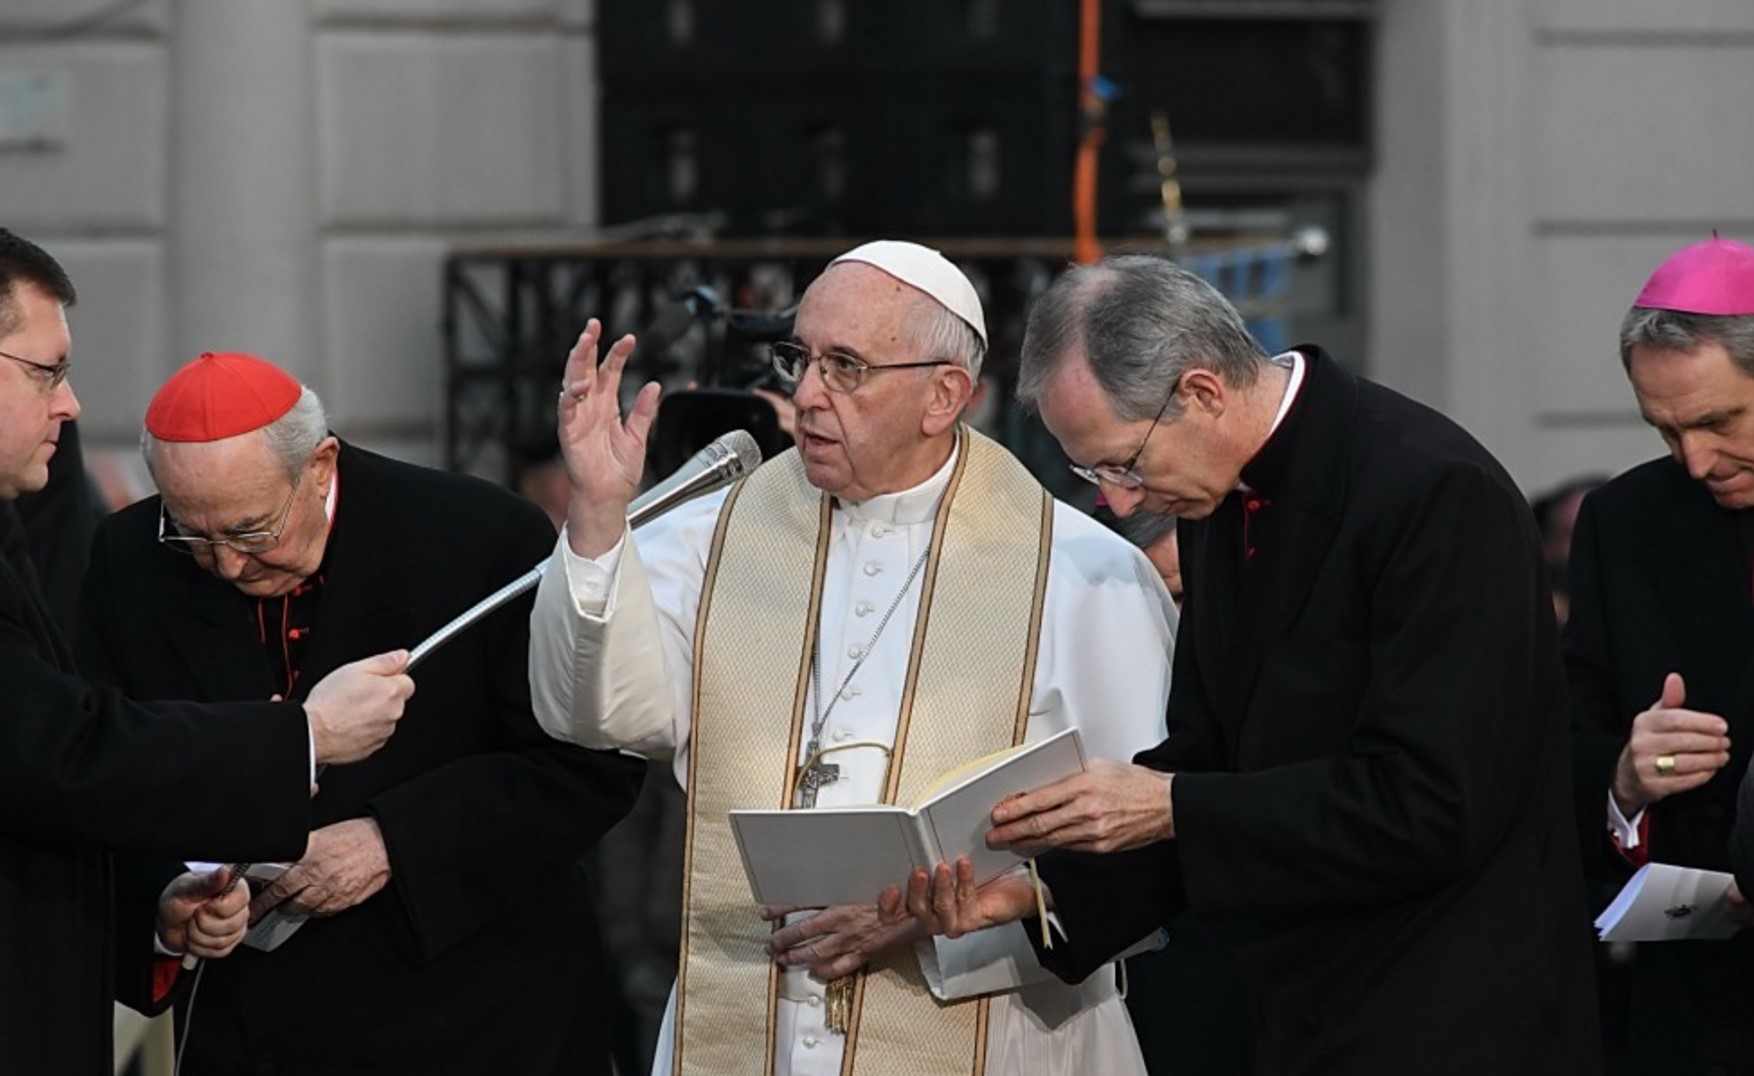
point(831, 855)
point(849, 855)
point(957, 819)
point(1667, 903)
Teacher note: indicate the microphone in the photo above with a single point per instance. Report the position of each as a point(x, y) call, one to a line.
point(728, 458)
point(674, 320)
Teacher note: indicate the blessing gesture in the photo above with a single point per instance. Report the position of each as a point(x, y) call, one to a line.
point(605, 456)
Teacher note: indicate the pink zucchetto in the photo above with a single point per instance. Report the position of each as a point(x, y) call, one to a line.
point(1715, 277)
point(219, 395)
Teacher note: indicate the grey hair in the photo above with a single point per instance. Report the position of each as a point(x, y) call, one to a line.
point(941, 334)
point(293, 437)
point(1143, 529)
point(1141, 322)
point(1672, 330)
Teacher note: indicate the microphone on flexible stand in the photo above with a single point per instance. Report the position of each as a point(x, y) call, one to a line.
point(728, 458)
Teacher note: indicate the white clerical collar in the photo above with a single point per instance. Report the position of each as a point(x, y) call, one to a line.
point(907, 507)
point(1292, 360)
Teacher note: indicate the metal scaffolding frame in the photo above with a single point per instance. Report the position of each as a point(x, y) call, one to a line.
point(512, 313)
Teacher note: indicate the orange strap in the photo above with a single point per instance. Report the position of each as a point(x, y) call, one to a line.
point(1086, 249)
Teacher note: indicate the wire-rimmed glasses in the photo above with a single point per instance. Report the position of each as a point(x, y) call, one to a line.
point(840, 372)
point(170, 533)
point(49, 376)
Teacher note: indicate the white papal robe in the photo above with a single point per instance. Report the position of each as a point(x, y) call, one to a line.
point(611, 666)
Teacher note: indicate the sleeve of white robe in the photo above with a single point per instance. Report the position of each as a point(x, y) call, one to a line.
point(612, 639)
point(1108, 627)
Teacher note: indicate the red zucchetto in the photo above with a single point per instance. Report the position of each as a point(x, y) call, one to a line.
point(220, 395)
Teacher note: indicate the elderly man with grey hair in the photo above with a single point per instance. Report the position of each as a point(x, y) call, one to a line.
point(1366, 779)
point(893, 597)
point(273, 552)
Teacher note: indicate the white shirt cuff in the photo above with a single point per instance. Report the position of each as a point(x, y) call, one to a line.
point(590, 580)
point(1624, 829)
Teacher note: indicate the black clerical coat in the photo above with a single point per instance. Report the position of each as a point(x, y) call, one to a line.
point(1661, 583)
point(84, 771)
point(1368, 729)
point(480, 954)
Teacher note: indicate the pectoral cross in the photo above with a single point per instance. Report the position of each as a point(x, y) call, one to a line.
point(815, 775)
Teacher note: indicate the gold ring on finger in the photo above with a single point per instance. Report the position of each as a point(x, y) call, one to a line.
point(1665, 765)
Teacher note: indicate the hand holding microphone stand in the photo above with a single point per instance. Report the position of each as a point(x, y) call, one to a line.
point(720, 463)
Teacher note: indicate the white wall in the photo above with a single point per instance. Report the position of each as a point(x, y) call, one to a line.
point(1538, 159)
point(286, 176)
point(295, 189)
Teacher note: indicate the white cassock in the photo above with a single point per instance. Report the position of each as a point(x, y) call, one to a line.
point(606, 672)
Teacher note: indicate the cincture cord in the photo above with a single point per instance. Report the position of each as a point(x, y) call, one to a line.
point(812, 760)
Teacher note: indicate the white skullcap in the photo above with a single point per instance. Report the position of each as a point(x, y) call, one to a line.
point(929, 271)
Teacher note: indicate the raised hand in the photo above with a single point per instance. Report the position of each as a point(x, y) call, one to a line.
point(605, 456)
point(1671, 750)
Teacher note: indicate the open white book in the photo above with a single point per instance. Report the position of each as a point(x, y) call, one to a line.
point(848, 855)
point(1667, 903)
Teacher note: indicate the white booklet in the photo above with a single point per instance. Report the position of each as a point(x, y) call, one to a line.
point(848, 855)
point(277, 925)
point(1667, 903)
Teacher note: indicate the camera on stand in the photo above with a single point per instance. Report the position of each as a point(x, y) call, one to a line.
point(722, 398)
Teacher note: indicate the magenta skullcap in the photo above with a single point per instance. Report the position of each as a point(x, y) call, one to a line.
point(1715, 277)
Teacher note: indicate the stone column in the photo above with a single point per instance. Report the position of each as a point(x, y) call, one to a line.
point(243, 252)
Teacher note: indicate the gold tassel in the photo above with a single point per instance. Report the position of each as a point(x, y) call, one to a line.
point(840, 1003)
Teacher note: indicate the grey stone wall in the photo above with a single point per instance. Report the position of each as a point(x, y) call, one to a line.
point(286, 175)
point(1538, 159)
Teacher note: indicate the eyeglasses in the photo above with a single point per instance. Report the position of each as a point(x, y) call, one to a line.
point(50, 376)
point(840, 372)
point(170, 533)
point(1123, 476)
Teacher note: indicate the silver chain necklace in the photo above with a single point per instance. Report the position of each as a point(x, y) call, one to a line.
point(817, 772)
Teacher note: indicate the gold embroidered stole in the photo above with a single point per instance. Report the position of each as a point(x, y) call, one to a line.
point(966, 694)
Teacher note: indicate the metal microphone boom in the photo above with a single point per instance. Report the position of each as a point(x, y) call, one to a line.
point(728, 458)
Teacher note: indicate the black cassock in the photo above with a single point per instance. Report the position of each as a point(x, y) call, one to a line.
point(1367, 721)
point(481, 953)
point(84, 771)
